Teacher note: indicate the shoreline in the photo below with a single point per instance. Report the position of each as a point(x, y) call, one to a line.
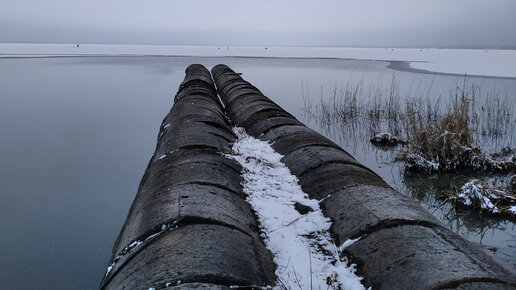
point(396, 65)
point(401, 65)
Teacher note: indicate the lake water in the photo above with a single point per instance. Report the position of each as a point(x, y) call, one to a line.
point(76, 134)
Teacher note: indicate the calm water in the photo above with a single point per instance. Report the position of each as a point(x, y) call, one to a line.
point(76, 134)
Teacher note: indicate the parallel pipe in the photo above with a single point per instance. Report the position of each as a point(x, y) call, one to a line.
point(189, 225)
point(401, 245)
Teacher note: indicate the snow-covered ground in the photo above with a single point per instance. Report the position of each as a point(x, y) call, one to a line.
point(498, 63)
point(299, 239)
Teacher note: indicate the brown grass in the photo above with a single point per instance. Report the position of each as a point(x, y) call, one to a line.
point(440, 136)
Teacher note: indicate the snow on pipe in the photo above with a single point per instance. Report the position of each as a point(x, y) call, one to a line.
point(189, 222)
point(400, 244)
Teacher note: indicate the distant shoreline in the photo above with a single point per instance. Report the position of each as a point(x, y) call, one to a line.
point(399, 65)
point(396, 65)
point(475, 47)
point(497, 64)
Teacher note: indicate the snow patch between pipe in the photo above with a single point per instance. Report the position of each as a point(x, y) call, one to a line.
point(304, 252)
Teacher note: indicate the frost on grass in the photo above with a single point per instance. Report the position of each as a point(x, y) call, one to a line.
point(459, 157)
point(304, 252)
point(487, 198)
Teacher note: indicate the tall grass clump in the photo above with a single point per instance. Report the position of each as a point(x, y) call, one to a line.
point(444, 140)
point(439, 135)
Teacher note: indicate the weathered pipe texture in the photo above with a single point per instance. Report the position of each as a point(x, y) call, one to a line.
point(189, 221)
point(402, 246)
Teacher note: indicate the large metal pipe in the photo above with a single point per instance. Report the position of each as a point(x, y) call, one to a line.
point(189, 224)
point(401, 245)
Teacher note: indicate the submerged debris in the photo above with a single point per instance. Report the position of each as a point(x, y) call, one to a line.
point(386, 139)
point(478, 194)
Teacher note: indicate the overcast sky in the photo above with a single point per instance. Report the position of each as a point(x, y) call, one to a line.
point(425, 23)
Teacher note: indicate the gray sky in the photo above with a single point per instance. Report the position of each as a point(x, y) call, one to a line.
point(423, 23)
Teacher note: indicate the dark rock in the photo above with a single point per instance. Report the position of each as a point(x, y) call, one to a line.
point(302, 209)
